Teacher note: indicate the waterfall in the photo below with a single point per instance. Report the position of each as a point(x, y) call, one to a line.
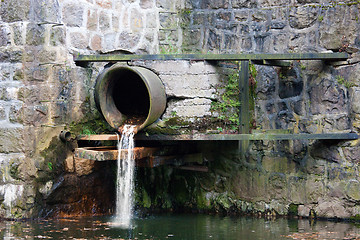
point(125, 177)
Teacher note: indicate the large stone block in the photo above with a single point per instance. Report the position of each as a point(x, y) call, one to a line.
point(244, 3)
point(327, 97)
point(269, 3)
point(189, 86)
point(250, 186)
point(35, 34)
point(303, 17)
point(15, 10)
point(332, 208)
point(266, 79)
point(128, 40)
point(278, 164)
point(83, 166)
point(15, 112)
point(73, 14)
point(79, 40)
point(110, 41)
point(95, 42)
point(136, 20)
point(333, 34)
point(168, 20)
point(297, 190)
point(10, 92)
point(211, 4)
point(4, 36)
point(352, 153)
point(33, 115)
point(315, 189)
point(57, 36)
point(5, 72)
point(146, 4)
point(352, 190)
point(189, 108)
point(11, 139)
point(18, 28)
point(104, 3)
point(165, 4)
point(92, 20)
point(45, 11)
point(104, 21)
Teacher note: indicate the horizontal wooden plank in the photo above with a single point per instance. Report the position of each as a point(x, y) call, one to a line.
point(108, 153)
point(209, 57)
point(99, 137)
point(228, 137)
point(242, 137)
point(279, 63)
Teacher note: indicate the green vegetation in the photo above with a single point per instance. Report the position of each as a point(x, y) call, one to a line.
point(293, 209)
point(169, 47)
point(50, 166)
point(341, 80)
point(90, 125)
point(321, 18)
point(229, 104)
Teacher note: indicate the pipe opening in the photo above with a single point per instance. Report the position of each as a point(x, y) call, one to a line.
point(130, 95)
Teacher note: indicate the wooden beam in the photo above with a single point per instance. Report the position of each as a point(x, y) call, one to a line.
point(213, 57)
point(278, 63)
point(111, 153)
point(229, 137)
point(99, 137)
point(254, 136)
point(244, 110)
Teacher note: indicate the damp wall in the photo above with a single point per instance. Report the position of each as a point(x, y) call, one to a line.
point(42, 92)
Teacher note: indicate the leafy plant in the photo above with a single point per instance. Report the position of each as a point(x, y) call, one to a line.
point(229, 104)
point(341, 80)
point(50, 165)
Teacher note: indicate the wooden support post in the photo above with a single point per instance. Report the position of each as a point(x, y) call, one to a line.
point(244, 111)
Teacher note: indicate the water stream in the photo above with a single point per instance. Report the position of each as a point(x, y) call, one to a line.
point(125, 177)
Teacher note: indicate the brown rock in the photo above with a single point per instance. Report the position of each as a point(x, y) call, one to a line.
point(69, 164)
point(83, 166)
point(95, 43)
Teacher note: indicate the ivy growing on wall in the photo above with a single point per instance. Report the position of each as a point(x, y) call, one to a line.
point(226, 109)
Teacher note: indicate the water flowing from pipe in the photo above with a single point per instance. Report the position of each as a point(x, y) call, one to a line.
point(125, 177)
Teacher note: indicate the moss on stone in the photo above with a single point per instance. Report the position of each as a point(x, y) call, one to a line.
point(90, 125)
point(201, 201)
point(293, 209)
point(355, 218)
point(54, 156)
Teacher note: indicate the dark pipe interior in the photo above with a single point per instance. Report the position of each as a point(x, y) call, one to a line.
point(130, 94)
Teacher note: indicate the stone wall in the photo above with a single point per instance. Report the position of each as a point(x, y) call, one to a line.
point(42, 92)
